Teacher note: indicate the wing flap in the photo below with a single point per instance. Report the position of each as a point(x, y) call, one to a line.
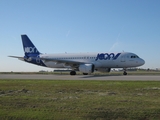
point(66, 62)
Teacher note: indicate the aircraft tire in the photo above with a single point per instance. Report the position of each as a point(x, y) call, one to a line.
point(73, 73)
point(85, 73)
point(124, 73)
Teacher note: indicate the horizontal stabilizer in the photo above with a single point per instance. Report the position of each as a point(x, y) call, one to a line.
point(20, 58)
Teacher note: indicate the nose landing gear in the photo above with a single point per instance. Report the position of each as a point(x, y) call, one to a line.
point(124, 73)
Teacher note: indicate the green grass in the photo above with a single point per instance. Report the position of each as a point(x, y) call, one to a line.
point(79, 100)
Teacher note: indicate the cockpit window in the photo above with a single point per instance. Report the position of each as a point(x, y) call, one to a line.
point(134, 56)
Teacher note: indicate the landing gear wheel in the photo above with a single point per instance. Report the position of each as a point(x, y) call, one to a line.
point(73, 73)
point(124, 73)
point(85, 73)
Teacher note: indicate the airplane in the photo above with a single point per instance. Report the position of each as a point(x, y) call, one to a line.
point(86, 63)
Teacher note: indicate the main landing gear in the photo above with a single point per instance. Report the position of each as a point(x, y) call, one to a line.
point(124, 73)
point(85, 73)
point(73, 73)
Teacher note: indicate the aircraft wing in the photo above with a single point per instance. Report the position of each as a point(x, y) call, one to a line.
point(20, 58)
point(71, 63)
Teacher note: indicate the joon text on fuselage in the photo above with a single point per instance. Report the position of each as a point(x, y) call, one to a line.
point(107, 56)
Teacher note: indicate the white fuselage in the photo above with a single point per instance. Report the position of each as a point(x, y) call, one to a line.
point(100, 60)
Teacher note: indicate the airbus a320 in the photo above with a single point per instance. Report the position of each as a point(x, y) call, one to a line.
point(86, 63)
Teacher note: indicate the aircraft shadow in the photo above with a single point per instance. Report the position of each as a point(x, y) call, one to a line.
point(94, 76)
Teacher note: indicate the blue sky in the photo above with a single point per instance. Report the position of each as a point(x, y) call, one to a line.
point(58, 26)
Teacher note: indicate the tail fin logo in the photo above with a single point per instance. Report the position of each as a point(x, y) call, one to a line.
point(30, 50)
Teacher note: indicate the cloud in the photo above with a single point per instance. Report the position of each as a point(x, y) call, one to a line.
point(115, 44)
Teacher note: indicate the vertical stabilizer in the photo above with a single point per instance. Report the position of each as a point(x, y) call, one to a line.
point(28, 46)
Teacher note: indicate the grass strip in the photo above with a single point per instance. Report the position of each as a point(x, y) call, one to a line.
point(79, 100)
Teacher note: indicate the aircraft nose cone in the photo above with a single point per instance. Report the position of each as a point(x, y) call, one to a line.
point(142, 62)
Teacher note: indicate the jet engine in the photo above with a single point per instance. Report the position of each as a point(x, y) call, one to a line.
point(86, 68)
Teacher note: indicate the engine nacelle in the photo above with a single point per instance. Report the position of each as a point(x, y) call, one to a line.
point(104, 69)
point(86, 68)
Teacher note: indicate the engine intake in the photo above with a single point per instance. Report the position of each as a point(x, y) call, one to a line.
point(86, 68)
